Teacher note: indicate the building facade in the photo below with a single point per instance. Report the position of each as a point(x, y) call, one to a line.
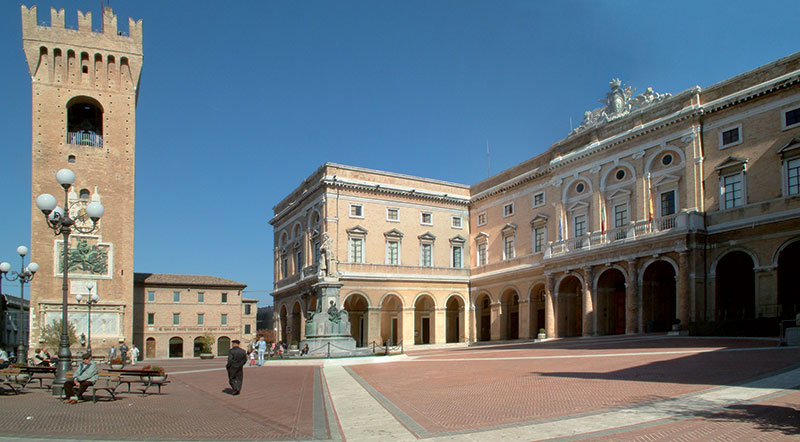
point(13, 309)
point(658, 212)
point(84, 89)
point(174, 312)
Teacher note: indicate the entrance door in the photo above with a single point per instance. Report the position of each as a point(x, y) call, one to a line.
point(394, 330)
point(150, 348)
point(426, 330)
point(513, 327)
point(540, 319)
point(485, 331)
point(619, 321)
point(360, 332)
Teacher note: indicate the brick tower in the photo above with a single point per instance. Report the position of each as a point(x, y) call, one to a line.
point(85, 87)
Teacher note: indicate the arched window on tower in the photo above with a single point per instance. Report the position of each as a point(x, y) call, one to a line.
point(84, 122)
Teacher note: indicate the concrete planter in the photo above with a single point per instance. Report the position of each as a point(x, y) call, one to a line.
point(541, 336)
point(206, 356)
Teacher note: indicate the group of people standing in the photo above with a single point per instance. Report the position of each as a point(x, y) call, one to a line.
point(261, 348)
point(124, 352)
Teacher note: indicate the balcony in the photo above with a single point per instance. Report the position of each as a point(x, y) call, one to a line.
point(399, 271)
point(635, 231)
point(85, 138)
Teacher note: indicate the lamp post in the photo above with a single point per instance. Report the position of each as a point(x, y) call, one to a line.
point(59, 221)
point(25, 275)
point(91, 299)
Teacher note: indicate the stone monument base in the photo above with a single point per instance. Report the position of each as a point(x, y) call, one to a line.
point(334, 346)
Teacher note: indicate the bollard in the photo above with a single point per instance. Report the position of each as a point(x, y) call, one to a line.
point(329, 350)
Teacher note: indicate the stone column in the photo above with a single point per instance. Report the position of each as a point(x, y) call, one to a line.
point(302, 327)
point(549, 307)
point(632, 313)
point(374, 326)
point(683, 289)
point(408, 327)
point(463, 319)
point(439, 325)
point(588, 303)
point(525, 319)
point(494, 321)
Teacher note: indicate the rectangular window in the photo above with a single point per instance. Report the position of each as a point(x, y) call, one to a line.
point(791, 117)
point(224, 298)
point(538, 239)
point(201, 297)
point(284, 267)
point(356, 250)
point(224, 319)
point(201, 317)
point(455, 222)
point(668, 203)
point(482, 218)
point(457, 254)
point(427, 255)
point(176, 319)
point(151, 319)
point(793, 174)
point(620, 215)
point(298, 261)
point(732, 191)
point(151, 296)
point(579, 225)
point(176, 296)
point(426, 218)
point(508, 209)
point(392, 214)
point(538, 199)
point(247, 309)
point(356, 211)
point(730, 136)
point(483, 254)
point(508, 247)
point(316, 252)
point(393, 253)
point(247, 329)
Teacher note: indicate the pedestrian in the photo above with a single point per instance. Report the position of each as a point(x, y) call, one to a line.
point(261, 346)
point(134, 354)
point(112, 353)
point(236, 360)
point(252, 358)
point(4, 362)
point(123, 352)
point(85, 376)
point(304, 351)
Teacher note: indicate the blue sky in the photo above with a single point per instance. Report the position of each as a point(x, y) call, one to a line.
point(239, 102)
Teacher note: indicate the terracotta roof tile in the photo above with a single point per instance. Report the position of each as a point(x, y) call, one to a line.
point(192, 280)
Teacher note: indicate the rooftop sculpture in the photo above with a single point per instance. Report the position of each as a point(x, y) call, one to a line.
point(618, 103)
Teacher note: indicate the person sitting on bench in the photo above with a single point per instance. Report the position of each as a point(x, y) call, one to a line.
point(42, 358)
point(85, 376)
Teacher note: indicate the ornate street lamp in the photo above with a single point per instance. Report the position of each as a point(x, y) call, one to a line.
point(59, 221)
point(91, 299)
point(24, 276)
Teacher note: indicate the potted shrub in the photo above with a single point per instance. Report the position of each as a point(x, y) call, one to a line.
point(676, 324)
point(161, 376)
point(206, 345)
point(116, 364)
point(542, 334)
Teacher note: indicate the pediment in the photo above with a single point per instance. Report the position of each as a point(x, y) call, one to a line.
point(790, 148)
point(482, 236)
point(667, 179)
point(538, 220)
point(580, 205)
point(357, 230)
point(732, 162)
point(458, 240)
point(394, 233)
point(427, 236)
point(619, 194)
point(509, 228)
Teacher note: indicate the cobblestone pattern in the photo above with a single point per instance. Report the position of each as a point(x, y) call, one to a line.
point(467, 395)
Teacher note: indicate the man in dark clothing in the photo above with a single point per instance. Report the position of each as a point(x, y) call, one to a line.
point(236, 360)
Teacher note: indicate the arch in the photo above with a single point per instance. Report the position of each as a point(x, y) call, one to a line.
point(421, 294)
point(572, 183)
point(314, 218)
point(85, 121)
point(616, 166)
point(297, 323)
point(223, 345)
point(483, 316)
point(509, 313)
point(391, 318)
point(735, 296)
point(84, 194)
point(569, 321)
point(786, 260)
point(536, 307)
point(657, 153)
point(424, 319)
point(659, 294)
point(197, 348)
point(722, 254)
point(455, 309)
point(283, 319)
point(150, 348)
point(356, 293)
point(610, 294)
point(297, 230)
point(175, 347)
point(357, 306)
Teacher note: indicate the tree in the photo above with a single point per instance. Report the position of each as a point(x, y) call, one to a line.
point(206, 343)
point(52, 334)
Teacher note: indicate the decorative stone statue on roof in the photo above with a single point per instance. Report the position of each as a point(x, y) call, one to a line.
point(327, 258)
point(618, 103)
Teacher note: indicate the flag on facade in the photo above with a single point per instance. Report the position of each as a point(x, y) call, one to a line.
point(560, 226)
point(649, 200)
point(602, 217)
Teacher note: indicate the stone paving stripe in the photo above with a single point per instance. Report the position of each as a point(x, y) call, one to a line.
point(334, 429)
point(320, 427)
point(362, 418)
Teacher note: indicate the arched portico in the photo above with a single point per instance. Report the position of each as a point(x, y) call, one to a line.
point(391, 319)
point(454, 318)
point(570, 306)
point(284, 324)
point(536, 305)
point(789, 280)
point(659, 297)
point(483, 317)
point(357, 307)
point(297, 323)
point(611, 302)
point(424, 320)
point(509, 315)
point(735, 296)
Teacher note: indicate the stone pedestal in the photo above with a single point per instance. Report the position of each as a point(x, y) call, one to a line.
point(327, 329)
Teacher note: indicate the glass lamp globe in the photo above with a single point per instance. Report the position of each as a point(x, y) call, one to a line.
point(56, 214)
point(65, 177)
point(22, 250)
point(78, 297)
point(33, 267)
point(95, 298)
point(5, 267)
point(46, 203)
point(95, 210)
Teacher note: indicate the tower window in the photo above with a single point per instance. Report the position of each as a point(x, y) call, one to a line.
point(84, 122)
point(71, 159)
point(84, 195)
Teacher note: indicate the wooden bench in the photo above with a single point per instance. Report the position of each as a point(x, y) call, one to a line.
point(14, 379)
point(40, 373)
point(108, 382)
point(146, 378)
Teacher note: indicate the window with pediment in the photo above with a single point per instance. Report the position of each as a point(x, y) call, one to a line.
point(732, 184)
point(509, 232)
point(539, 233)
point(457, 251)
point(426, 242)
point(482, 249)
point(790, 167)
point(394, 239)
point(356, 241)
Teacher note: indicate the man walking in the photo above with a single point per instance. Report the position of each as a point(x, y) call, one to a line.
point(237, 357)
point(134, 354)
point(261, 347)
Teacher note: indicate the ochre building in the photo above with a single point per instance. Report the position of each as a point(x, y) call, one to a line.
point(660, 212)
